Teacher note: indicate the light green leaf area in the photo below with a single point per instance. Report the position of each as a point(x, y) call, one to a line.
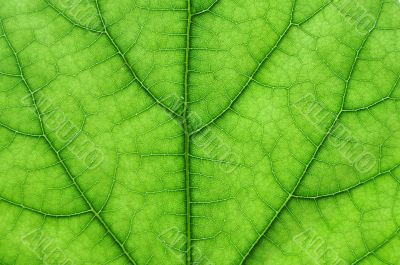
point(199, 132)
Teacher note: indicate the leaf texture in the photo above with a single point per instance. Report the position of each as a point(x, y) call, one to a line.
point(199, 132)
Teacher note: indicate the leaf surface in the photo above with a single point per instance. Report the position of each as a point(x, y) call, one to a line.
point(199, 132)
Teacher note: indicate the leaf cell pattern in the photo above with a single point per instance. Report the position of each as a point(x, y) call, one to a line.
point(199, 132)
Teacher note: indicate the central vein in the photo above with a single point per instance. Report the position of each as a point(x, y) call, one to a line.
point(185, 123)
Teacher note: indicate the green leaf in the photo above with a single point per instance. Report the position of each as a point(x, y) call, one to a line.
point(201, 132)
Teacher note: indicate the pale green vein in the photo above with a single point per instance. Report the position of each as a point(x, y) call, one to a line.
point(376, 248)
point(78, 25)
point(382, 100)
point(40, 212)
point(329, 195)
point(208, 9)
point(20, 132)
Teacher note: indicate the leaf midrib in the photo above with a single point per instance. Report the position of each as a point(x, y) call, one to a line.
point(185, 123)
